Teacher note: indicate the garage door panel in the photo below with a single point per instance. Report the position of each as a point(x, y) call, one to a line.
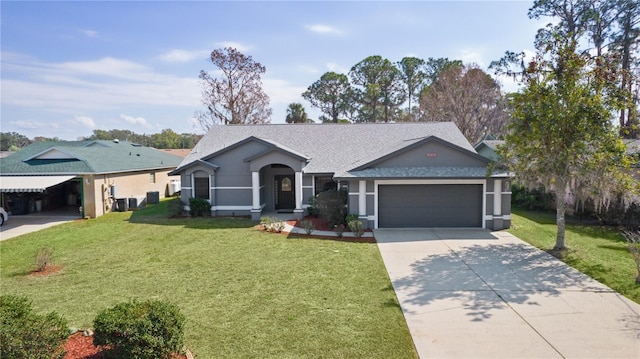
point(429, 206)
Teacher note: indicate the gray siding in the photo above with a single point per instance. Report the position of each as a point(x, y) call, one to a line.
point(432, 154)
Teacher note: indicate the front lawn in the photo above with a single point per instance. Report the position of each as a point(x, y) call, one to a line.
point(245, 293)
point(600, 252)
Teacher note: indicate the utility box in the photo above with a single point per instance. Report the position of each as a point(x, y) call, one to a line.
point(153, 197)
point(123, 204)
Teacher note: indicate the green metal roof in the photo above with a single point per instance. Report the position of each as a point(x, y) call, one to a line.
point(85, 157)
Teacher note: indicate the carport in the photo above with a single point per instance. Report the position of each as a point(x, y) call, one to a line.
point(26, 194)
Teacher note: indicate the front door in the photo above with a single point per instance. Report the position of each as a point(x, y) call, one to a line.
point(285, 192)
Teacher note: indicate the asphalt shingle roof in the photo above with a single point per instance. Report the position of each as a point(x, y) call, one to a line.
point(89, 157)
point(332, 148)
point(418, 172)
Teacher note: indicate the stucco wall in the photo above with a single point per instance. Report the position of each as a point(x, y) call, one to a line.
point(97, 189)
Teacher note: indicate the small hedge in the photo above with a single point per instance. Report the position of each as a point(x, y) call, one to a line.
point(199, 207)
point(331, 206)
point(25, 334)
point(140, 330)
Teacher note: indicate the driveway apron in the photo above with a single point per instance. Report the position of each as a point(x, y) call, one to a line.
point(471, 293)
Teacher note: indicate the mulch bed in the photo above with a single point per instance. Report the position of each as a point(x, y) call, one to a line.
point(79, 346)
point(320, 224)
point(48, 270)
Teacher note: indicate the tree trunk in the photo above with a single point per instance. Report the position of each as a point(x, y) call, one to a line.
point(561, 189)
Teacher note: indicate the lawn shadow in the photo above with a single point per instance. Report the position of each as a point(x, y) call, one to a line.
point(484, 278)
point(158, 214)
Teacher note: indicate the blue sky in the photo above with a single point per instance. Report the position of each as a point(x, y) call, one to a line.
point(69, 68)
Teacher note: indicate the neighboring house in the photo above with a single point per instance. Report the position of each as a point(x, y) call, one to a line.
point(90, 176)
point(488, 148)
point(397, 175)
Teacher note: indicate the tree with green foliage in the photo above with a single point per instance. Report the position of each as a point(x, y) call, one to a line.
point(611, 30)
point(167, 138)
point(297, 114)
point(13, 141)
point(413, 74)
point(435, 66)
point(233, 94)
point(330, 94)
point(561, 136)
point(378, 89)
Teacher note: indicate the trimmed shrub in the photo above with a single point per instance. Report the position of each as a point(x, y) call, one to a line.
point(140, 330)
point(199, 207)
point(535, 199)
point(24, 334)
point(174, 208)
point(356, 227)
point(312, 209)
point(331, 206)
point(308, 226)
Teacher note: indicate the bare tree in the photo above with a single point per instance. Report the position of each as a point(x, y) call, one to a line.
point(468, 97)
point(235, 96)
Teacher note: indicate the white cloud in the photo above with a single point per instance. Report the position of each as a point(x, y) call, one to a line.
point(324, 29)
point(472, 56)
point(308, 69)
point(32, 125)
point(177, 55)
point(139, 121)
point(281, 92)
point(91, 85)
point(107, 66)
point(337, 68)
point(236, 45)
point(89, 33)
point(85, 121)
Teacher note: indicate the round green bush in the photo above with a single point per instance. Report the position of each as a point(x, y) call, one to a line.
point(199, 207)
point(140, 330)
point(25, 334)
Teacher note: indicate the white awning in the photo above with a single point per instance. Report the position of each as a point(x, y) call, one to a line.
point(30, 183)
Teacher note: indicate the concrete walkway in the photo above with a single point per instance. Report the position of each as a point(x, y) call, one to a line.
point(480, 294)
point(22, 224)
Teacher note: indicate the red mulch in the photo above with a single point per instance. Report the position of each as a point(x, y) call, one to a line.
point(48, 270)
point(320, 224)
point(79, 346)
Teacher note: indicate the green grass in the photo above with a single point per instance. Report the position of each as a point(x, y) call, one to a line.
point(600, 252)
point(245, 293)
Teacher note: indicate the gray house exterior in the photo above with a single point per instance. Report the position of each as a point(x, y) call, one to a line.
point(397, 175)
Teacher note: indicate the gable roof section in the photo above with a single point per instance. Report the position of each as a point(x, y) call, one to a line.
point(274, 146)
point(330, 148)
point(392, 152)
point(81, 157)
point(194, 163)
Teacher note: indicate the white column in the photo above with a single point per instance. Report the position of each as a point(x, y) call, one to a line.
point(255, 189)
point(497, 197)
point(298, 182)
point(362, 198)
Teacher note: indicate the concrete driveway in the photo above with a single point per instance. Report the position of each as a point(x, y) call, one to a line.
point(21, 224)
point(469, 293)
